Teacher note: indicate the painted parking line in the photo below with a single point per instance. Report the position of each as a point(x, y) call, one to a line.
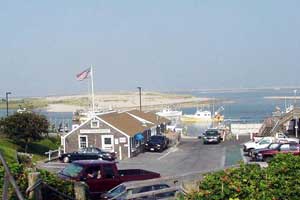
point(243, 156)
point(169, 152)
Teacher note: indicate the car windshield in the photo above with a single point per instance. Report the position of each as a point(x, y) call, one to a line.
point(72, 170)
point(156, 139)
point(116, 191)
point(211, 133)
point(264, 141)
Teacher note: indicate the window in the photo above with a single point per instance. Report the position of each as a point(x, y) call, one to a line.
point(294, 148)
point(108, 171)
point(95, 124)
point(72, 170)
point(142, 189)
point(83, 141)
point(107, 140)
point(117, 191)
point(264, 142)
point(93, 173)
point(285, 147)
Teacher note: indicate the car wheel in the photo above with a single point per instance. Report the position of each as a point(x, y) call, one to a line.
point(250, 152)
point(268, 159)
point(66, 159)
point(100, 158)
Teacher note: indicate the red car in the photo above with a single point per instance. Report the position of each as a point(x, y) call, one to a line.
point(102, 176)
point(268, 154)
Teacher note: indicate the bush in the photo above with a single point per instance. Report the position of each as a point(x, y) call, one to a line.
point(20, 174)
point(278, 181)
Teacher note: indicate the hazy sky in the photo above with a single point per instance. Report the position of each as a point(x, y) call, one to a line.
point(159, 45)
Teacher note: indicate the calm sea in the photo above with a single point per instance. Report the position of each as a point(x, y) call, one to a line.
point(248, 106)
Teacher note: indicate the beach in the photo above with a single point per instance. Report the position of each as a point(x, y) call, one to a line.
point(124, 101)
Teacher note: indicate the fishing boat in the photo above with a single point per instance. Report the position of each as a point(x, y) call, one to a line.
point(169, 113)
point(203, 115)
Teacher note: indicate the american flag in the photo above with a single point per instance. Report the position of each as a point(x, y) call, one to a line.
point(83, 75)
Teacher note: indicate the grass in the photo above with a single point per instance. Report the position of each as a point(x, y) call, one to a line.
point(9, 149)
point(29, 103)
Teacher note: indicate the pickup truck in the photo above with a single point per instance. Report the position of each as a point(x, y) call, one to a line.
point(279, 136)
point(249, 147)
point(101, 176)
point(268, 154)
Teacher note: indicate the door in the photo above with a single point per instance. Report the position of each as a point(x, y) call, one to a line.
point(94, 179)
point(107, 142)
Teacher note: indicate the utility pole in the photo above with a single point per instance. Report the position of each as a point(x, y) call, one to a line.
point(7, 93)
point(140, 93)
point(295, 98)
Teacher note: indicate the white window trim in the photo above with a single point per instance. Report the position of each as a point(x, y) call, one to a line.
point(98, 123)
point(87, 140)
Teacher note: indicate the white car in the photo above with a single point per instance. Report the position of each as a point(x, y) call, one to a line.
point(263, 143)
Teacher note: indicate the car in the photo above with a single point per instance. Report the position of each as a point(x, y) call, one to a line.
point(89, 153)
point(254, 152)
point(264, 142)
point(124, 190)
point(211, 136)
point(101, 176)
point(157, 143)
point(268, 154)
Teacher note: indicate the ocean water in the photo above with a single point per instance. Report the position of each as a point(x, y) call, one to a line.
point(248, 106)
point(55, 118)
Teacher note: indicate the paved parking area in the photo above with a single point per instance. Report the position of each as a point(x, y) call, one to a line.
point(190, 156)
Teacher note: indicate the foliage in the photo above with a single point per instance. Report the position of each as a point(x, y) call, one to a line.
point(65, 187)
point(278, 181)
point(28, 103)
point(25, 127)
point(20, 174)
point(8, 150)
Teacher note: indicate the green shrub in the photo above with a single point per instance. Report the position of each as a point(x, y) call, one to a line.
point(278, 181)
point(21, 176)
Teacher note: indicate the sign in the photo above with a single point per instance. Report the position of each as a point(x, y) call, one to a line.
point(94, 130)
point(122, 139)
point(116, 141)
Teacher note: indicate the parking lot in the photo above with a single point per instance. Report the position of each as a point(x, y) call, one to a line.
point(190, 156)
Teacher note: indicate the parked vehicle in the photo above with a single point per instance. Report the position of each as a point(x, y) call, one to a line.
point(279, 136)
point(101, 176)
point(90, 153)
point(123, 191)
point(211, 136)
point(264, 143)
point(157, 143)
point(268, 154)
point(257, 151)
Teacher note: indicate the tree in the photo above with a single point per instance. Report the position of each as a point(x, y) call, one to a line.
point(24, 128)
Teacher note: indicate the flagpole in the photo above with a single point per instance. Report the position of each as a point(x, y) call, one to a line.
point(93, 97)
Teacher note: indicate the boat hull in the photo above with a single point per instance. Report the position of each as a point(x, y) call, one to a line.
point(195, 119)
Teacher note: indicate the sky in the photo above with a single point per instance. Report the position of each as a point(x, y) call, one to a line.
point(158, 45)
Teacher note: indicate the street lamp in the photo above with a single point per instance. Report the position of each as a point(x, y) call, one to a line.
point(140, 92)
point(7, 93)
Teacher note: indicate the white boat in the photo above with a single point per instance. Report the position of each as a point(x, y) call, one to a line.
point(201, 115)
point(169, 113)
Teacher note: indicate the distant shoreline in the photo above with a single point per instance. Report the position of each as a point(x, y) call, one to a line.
point(283, 97)
point(151, 101)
